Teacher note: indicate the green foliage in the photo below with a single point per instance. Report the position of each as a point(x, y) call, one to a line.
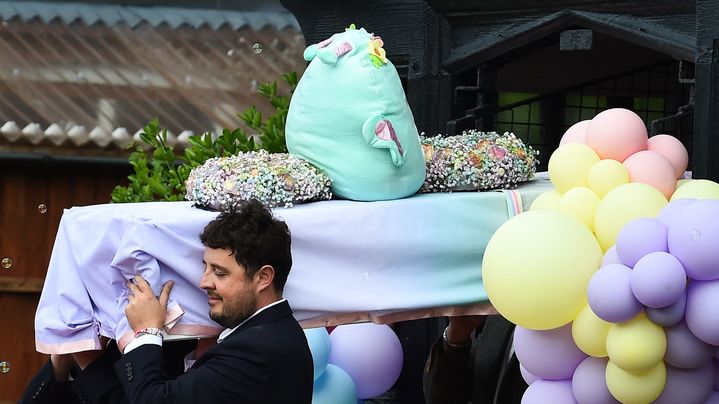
point(160, 174)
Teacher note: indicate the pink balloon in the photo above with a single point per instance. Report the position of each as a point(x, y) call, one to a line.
point(616, 134)
point(576, 133)
point(673, 150)
point(653, 169)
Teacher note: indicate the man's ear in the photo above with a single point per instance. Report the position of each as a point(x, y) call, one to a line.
point(264, 277)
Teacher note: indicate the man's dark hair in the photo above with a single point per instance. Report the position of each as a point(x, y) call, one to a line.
point(255, 238)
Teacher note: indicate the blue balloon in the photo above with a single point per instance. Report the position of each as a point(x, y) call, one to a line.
point(319, 341)
point(335, 386)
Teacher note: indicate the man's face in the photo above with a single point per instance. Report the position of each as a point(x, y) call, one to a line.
point(232, 295)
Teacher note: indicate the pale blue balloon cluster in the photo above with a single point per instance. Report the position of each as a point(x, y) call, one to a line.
point(356, 361)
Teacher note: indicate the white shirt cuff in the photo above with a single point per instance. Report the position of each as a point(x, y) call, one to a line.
point(142, 340)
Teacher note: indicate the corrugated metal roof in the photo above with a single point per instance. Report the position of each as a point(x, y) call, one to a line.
point(93, 86)
point(90, 14)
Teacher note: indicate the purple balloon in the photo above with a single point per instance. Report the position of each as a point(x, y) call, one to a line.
point(548, 354)
point(549, 391)
point(610, 294)
point(371, 354)
point(658, 279)
point(713, 398)
point(716, 374)
point(701, 313)
point(694, 239)
point(670, 315)
point(685, 350)
point(589, 382)
point(672, 209)
point(610, 257)
point(639, 238)
point(687, 386)
point(528, 377)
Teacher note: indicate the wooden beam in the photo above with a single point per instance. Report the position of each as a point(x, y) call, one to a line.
point(487, 48)
point(521, 7)
point(9, 284)
point(706, 111)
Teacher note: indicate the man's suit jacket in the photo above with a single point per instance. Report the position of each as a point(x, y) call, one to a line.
point(486, 373)
point(96, 384)
point(266, 360)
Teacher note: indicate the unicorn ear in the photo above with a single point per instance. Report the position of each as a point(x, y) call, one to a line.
point(310, 52)
point(328, 56)
point(379, 133)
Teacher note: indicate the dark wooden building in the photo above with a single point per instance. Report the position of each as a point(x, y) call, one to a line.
point(535, 67)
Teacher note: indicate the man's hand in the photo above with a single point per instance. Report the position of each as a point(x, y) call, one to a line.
point(144, 309)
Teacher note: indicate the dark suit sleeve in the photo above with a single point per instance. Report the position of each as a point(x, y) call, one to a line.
point(229, 372)
point(447, 375)
point(97, 383)
point(43, 388)
point(485, 374)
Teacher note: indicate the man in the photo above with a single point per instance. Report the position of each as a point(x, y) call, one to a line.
point(480, 370)
point(97, 384)
point(261, 357)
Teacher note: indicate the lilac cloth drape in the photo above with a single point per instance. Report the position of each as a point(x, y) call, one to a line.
point(353, 261)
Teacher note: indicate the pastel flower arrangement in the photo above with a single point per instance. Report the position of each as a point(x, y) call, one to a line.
point(275, 179)
point(476, 161)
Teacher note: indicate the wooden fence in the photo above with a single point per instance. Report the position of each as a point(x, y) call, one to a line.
point(34, 191)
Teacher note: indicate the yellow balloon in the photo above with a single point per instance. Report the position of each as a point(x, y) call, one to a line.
point(636, 345)
point(548, 200)
point(697, 189)
point(606, 175)
point(622, 205)
point(580, 203)
point(590, 333)
point(569, 166)
point(636, 388)
point(682, 182)
point(537, 266)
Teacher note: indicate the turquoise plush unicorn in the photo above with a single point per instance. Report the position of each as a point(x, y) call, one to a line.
point(349, 117)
